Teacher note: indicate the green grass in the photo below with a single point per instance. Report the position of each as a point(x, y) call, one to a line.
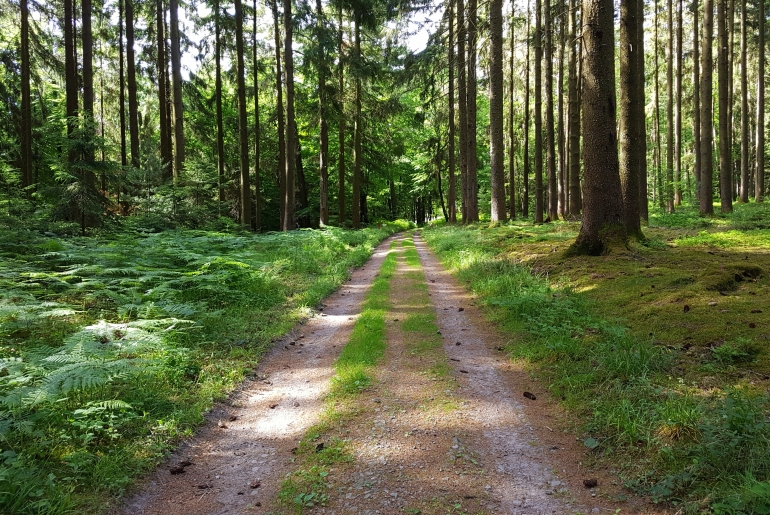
point(660, 353)
point(112, 347)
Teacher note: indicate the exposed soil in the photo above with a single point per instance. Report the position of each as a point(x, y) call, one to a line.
point(463, 441)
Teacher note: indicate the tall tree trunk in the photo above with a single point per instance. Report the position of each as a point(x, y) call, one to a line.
point(122, 89)
point(302, 192)
point(658, 146)
point(759, 181)
point(511, 132)
point(602, 224)
point(472, 86)
point(696, 98)
point(176, 76)
point(165, 137)
point(678, 108)
point(323, 155)
point(291, 125)
point(561, 131)
point(243, 119)
point(133, 104)
point(462, 92)
point(725, 158)
point(70, 70)
point(496, 147)
point(744, 111)
point(452, 194)
point(574, 117)
point(281, 126)
point(706, 115)
point(218, 101)
point(631, 95)
point(538, 112)
point(669, 180)
point(257, 172)
point(525, 178)
point(357, 157)
point(550, 143)
point(26, 100)
point(341, 122)
point(641, 118)
point(88, 67)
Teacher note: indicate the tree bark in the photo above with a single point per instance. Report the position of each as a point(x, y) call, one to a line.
point(25, 136)
point(641, 119)
point(525, 178)
point(281, 126)
point(496, 147)
point(291, 125)
point(538, 113)
point(669, 188)
point(165, 136)
point(678, 109)
point(462, 92)
point(725, 158)
point(133, 104)
point(744, 193)
point(561, 136)
point(70, 70)
point(706, 115)
point(257, 172)
point(550, 143)
point(88, 67)
point(511, 132)
point(575, 202)
point(341, 123)
point(658, 146)
point(357, 158)
point(602, 225)
point(631, 95)
point(759, 180)
point(472, 86)
point(452, 194)
point(323, 155)
point(218, 101)
point(696, 98)
point(243, 119)
point(176, 76)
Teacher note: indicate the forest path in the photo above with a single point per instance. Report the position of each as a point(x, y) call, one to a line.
point(444, 427)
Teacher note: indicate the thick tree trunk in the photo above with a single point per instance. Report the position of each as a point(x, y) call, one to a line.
point(257, 173)
point(25, 136)
point(561, 133)
point(165, 136)
point(496, 147)
point(550, 143)
point(462, 92)
point(243, 119)
point(725, 157)
point(759, 180)
point(357, 157)
point(706, 115)
point(525, 178)
point(452, 194)
point(575, 203)
point(631, 95)
point(472, 86)
point(291, 124)
point(323, 155)
point(218, 101)
point(341, 123)
point(744, 193)
point(602, 224)
point(281, 126)
point(133, 104)
point(538, 112)
point(176, 76)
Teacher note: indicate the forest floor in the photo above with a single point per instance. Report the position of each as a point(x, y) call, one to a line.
point(443, 423)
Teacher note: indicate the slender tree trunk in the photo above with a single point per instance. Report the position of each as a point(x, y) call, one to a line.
point(602, 224)
point(725, 160)
point(659, 153)
point(525, 179)
point(678, 108)
point(538, 112)
point(323, 155)
point(357, 157)
point(631, 94)
point(88, 67)
point(26, 100)
point(291, 125)
point(176, 75)
point(281, 162)
point(731, 66)
point(452, 195)
point(70, 70)
point(574, 118)
point(669, 180)
point(218, 101)
point(257, 172)
point(133, 104)
point(496, 147)
point(706, 116)
point(696, 97)
point(759, 181)
point(122, 88)
point(511, 132)
point(639, 108)
point(744, 111)
point(550, 143)
point(165, 137)
point(341, 123)
point(243, 119)
point(562, 165)
point(472, 86)
point(462, 92)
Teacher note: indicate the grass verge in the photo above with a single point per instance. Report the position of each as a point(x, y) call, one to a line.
point(665, 374)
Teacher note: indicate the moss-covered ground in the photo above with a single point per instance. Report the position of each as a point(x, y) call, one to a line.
point(661, 353)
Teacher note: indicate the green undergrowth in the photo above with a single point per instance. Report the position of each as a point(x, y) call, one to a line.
point(306, 487)
point(661, 353)
point(112, 347)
